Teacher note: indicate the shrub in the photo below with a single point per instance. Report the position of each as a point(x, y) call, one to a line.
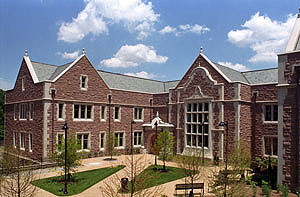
point(285, 191)
point(266, 189)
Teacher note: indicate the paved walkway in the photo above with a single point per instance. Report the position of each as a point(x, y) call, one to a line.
point(99, 162)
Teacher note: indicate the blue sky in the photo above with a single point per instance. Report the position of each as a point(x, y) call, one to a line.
point(157, 39)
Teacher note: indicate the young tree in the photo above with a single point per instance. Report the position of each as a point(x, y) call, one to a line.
point(138, 184)
point(110, 144)
point(164, 144)
point(17, 178)
point(192, 164)
point(73, 156)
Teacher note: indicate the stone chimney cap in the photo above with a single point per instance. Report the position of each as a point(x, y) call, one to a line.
point(26, 52)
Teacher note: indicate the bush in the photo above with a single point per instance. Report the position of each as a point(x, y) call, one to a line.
point(285, 191)
point(266, 189)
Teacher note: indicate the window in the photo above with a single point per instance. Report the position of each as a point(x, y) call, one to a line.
point(23, 83)
point(23, 111)
point(30, 142)
point(83, 141)
point(102, 113)
point(117, 114)
point(61, 111)
point(31, 111)
point(15, 139)
point(83, 112)
point(137, 138)
point(22, 140)
point(138, 114)
point(15, 111)
point(270, 143)
point(197, 124)
point(102, 141)
point(271, 112)
point(119, 140)
point(83, 82)
point(59, 140)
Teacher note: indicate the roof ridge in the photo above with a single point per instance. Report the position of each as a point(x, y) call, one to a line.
point(259, 70)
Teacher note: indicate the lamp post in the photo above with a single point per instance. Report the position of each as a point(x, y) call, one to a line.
point(109, 133)
point(222, 124)
point(202, 143)
point(155, 161)
point(131, 152)
point(65, 128)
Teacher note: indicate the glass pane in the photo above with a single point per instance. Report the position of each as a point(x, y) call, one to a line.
point(194, 137)
point(200, 107)
point(275, 152)
point(205, 117)
point(200, 140)
point(116, 112)
point(89, 112)
point(76, 111)
point(82, 111)
point(199, 129)
point(206, 107)
point(188, 126)
point(206, 128)
point(206, 141)
point(188, 140)
point(102, 112)
point(275, 112)
point(200, 117)
point(189, 107)
point(194, 117)
point(188, 117)
point(267, 146)
point(194, 128)
point(194, 107)
point(268, 113)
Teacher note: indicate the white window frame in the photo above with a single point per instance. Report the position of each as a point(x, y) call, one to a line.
point(103, 119)
point(85, 113)
point(15, 137)
point(272, 113)
point(85, 83)
point(104, 140)
point(16, 111)
point(31, 111)
point(57, 138)
point(30, 142)
point(22, 141)
point(119, 114)
point(138, 119)
point(63, 113)
point(82, 139)
point(116, 139)
point(138, 144)
point(23, 111)
point(197, 112)
point(23, 83)
point(272, 146)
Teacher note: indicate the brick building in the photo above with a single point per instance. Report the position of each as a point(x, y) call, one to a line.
point(261, 107)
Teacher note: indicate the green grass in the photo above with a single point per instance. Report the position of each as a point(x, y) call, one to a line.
point(83, 180)
point(157, 177)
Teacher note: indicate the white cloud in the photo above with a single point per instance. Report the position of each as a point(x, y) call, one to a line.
point(133, 55)
point(71, 55)
point(238, 67)
point(264, 36)
point(136, 16)
point(142, 74)
point(187, 28)
point(5, 84)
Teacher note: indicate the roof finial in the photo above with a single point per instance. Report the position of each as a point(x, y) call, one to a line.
point(299, 13)
point(83, 51)
point(201, 49)
point(26, 52)
point(157, 115)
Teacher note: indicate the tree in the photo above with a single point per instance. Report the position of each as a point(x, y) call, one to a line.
point(110, 144)
point(73, 156)
point(138, 184)
point(191, 163)
point(2, 99)
point(232, 181)
point(164, 144)
point(17, 175)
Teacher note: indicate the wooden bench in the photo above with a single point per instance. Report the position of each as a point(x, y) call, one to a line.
point(189, 187)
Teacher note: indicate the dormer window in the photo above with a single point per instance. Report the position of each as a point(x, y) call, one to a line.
point(83, 82)
point(23, 83)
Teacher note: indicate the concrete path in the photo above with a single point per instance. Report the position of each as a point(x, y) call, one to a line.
point(99, 162)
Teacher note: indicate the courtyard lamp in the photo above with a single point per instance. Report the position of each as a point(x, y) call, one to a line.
point(222, 124)
point(155, 159)
point(65, 128)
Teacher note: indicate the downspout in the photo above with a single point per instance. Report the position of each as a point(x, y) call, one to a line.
point(52, 140)
point(297, 129)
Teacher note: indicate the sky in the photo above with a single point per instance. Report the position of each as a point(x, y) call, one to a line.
point(154, 39)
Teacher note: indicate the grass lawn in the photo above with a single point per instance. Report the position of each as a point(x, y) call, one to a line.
point(83, 180)
point(157, 177)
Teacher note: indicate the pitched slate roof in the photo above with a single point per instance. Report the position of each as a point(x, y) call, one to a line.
point(43, 71)
point(262, 76)
point(232, 74)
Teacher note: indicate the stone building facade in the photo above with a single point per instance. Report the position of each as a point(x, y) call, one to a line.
point(261, 108)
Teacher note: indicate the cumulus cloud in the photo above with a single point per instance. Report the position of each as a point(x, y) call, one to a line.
point(134, 55)
point(5, 84)
point(142, 74)
point(266, 37)
point(187, 28)
point(238, 67)
point(135, 15)
point(71, 55)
